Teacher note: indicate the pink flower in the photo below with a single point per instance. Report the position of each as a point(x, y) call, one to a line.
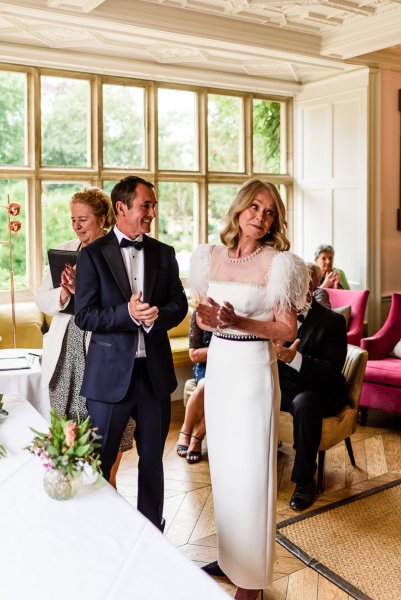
point(70, 434)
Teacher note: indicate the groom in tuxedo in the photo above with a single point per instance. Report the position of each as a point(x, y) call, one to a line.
point(128, 294)
point(312, 387)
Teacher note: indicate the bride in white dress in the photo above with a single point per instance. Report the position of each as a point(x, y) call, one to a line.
point(250, 290)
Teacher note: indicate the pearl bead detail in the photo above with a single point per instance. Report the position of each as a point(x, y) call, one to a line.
point(246, 259)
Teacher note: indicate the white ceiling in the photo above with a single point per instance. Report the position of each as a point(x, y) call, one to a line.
point(252, 44)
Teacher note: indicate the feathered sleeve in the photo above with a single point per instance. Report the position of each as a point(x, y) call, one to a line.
point(200, 270)
point(287, 283)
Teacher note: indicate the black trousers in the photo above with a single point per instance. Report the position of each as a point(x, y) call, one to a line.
point(308, 409)
point(152, 422)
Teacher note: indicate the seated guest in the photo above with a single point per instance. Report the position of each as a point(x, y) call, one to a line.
point(193, 429)
point(320, 294)
point(331, 277)
point(312, 387)
point(64, 345)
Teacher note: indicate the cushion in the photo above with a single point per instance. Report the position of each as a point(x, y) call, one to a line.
point(386, 371)
point(182, 329)
point(345, 311)
point(29, 322)
point(396, 351)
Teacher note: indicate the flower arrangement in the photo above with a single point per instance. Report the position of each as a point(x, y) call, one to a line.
point(68, 447)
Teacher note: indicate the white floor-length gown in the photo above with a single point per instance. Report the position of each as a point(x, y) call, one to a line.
point(242, 404)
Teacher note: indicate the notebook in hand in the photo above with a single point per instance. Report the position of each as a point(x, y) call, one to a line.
point(57, 261)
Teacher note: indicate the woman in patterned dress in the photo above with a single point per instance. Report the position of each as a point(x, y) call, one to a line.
point(250, 289)
point(65, 345)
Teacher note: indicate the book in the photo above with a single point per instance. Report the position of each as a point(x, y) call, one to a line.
point(57, 261)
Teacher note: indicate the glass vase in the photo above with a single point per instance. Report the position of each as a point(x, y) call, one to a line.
point(60, 485)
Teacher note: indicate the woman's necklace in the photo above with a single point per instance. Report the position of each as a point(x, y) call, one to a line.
point(246, 258)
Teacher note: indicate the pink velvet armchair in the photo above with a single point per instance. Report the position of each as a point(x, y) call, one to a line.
point(382, 382)
point(357, 300)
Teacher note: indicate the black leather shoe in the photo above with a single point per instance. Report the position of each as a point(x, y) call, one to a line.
point(213, 569)
point(303, 496)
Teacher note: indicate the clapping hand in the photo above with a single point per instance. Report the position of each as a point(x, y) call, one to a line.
point(215, 316)
point(67, 282)
point(226, 316)
point(331, 280)
point(142, 311)
point(206, 314)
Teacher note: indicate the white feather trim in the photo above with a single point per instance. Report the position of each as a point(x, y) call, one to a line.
point(200, 270)
point(287, 283)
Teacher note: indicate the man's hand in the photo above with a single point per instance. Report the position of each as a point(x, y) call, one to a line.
point(286, 355)
point(142, 311)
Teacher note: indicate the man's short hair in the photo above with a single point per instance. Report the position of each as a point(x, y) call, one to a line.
point(124, 190)
point(323, 248)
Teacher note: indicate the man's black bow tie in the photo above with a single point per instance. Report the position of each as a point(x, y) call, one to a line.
point(126, 243)
point(301, 318)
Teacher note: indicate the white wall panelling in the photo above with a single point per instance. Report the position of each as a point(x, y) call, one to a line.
point(330, 178)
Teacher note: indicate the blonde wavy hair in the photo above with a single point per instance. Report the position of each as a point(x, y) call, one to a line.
point(277, 237)
point(99, 202)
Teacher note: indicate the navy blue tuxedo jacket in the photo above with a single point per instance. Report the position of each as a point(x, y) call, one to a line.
point(101, 306)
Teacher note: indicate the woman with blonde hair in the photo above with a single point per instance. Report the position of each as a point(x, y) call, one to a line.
point(250, 289)
point(65, 345)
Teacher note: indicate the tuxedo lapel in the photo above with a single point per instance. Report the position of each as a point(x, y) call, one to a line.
point(308, 326)
point(112, 254)
point(151, 265)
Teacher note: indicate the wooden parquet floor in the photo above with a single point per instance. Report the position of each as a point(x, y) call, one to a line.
point(189, 503)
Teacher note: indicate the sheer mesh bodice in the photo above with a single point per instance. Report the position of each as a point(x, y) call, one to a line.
point(251, 270)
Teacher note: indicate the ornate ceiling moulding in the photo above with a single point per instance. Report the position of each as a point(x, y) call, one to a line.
point(80, 5)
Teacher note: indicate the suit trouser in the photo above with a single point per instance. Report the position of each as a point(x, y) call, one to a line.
point(152, 421)
point(308, 409)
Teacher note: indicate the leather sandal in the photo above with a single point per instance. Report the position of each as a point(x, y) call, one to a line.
point(194, 456)
point(181, 448)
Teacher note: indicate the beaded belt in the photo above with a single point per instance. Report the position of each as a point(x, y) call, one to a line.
point(239, 338)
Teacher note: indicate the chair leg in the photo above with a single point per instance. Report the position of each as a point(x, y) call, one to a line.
point(362, 415)
point(350, 451)
point(320, 471)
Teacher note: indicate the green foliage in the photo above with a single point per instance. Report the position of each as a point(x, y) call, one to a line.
point(176, 130)
point(123, 126)
point(65, 122)
point(266, 132)
point(176, 214)
point(224, 133)
point(12, 118)
point(67, 446)
point(220, 197)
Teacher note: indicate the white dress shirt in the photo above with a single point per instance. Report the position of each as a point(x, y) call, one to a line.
point(296, 362)
point(135, 266)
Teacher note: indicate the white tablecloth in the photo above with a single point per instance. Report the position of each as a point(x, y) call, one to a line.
point(26, 382)
point(92, 547)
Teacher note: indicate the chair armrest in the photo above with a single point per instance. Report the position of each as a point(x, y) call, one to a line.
point(377, 346)
point(381, 343)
